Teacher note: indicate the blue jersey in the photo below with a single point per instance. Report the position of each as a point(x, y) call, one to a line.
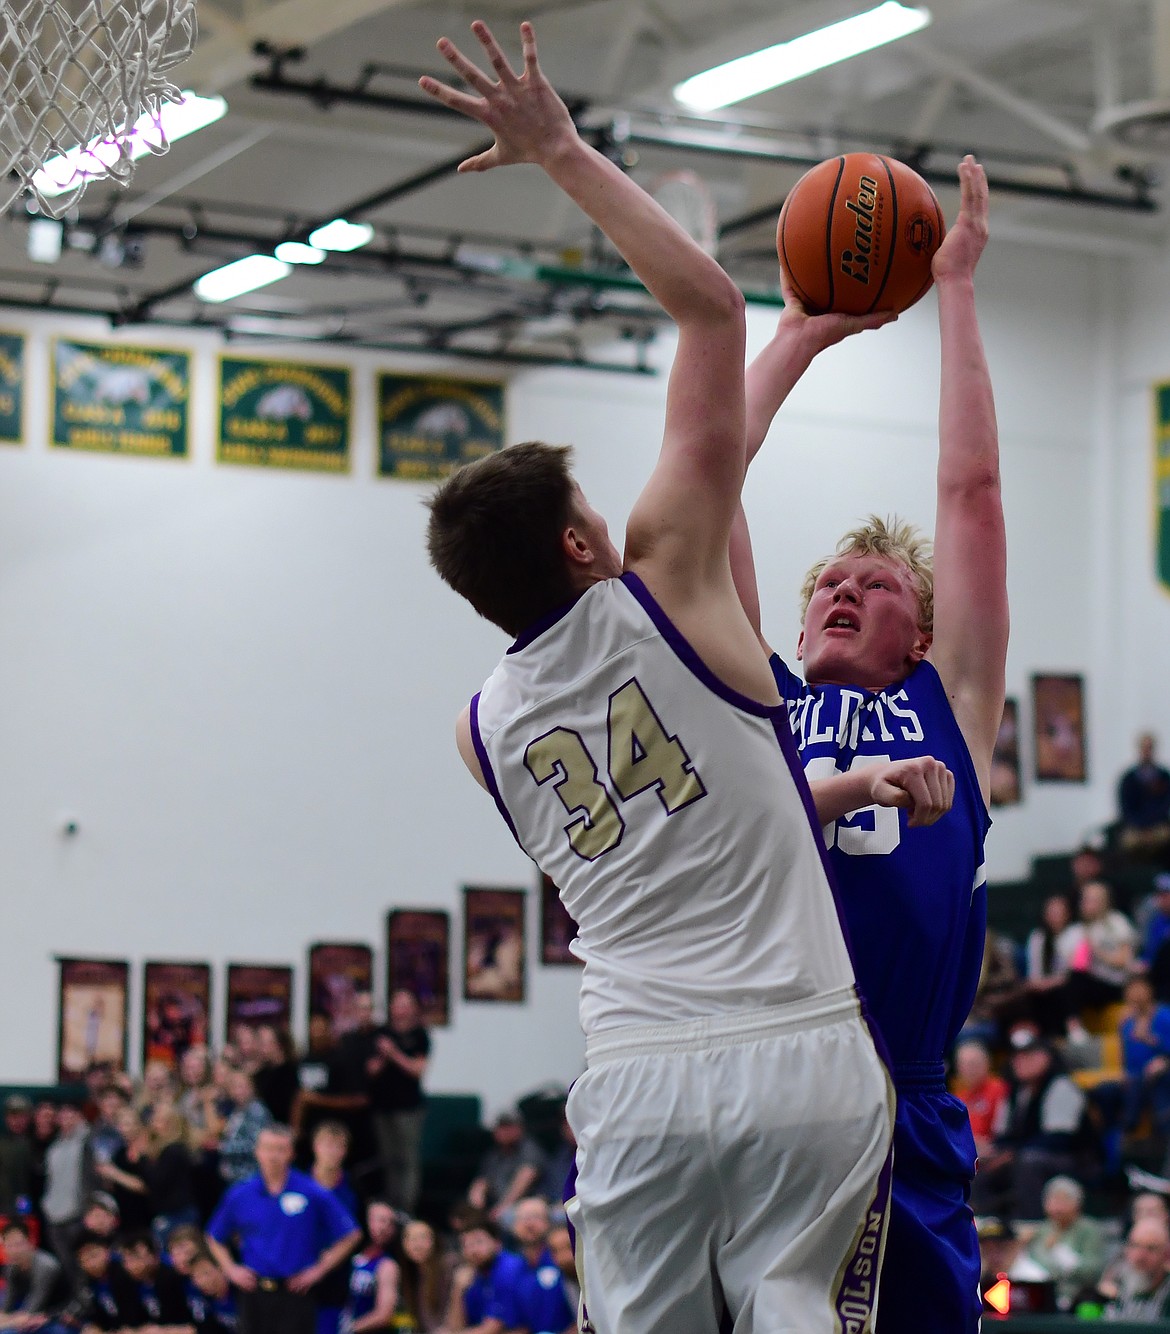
point(914, 901)
point(363, 1284)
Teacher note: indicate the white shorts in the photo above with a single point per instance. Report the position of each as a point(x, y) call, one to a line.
point(737, 1164)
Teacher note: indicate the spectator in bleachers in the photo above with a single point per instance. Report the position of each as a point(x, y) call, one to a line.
point(104, 1136)
point(401, 1051)
point(16, 1154)
point(330, 1145)
point(1143, 801)
point(1143, 1285)
point(170, 1173)
point(35, 1285)
point(1088, 864)
point(1105, 956)
point(42, 1134)
point(290, 1232)
point(101, 1214)
point(243, 1048)
point(158, 1085)
point(423, 1276)
point(241, 1129)
point(68, 1181)
point(1040, 1133)
point(560, 1247)
point(1154, 953)
point(124, 1176)
point(1069, 1247)
point(276, 1075)
point(486, 1288)
point(160, 1292)
point(1050, 951)
point(544, 1304)
point(1144, 1033)
point(213, 1307)
point(183, 1246)
point(508, 1171)
point(105, 1299)
point(980, 1090)
point(374, 1296)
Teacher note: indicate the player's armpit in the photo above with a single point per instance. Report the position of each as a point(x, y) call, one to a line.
point(466, 743)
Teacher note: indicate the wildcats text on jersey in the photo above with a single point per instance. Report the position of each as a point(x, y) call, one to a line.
point(858, 717)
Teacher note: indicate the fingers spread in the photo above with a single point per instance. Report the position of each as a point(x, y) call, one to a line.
point(470, 72)
point(499, 61)
point(450, 97)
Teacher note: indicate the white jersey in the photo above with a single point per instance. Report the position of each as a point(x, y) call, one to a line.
point(670, 810)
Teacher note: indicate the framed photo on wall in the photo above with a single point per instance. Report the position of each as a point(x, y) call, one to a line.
point(418, 949)
point(176, 1008)
point(92, 1016)
point(493, 944)
point(337, 975)
point(1058, 704)
point(1005, 758)
point(258, 993)
point(557, 928)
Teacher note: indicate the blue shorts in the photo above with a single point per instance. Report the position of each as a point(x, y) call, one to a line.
point(930, 1277)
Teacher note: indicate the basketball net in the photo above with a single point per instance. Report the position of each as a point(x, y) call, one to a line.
point(691, 204)
point(84, 81)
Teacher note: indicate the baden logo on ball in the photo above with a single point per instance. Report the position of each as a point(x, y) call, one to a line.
point(857, 234)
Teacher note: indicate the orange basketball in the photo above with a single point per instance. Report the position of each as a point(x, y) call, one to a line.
point(857, 234)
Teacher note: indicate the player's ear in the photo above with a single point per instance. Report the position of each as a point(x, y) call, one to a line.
point(800, 647)
point(576, 547)
point(921, 647)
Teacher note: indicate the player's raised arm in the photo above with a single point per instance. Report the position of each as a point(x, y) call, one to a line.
point(683, 517)
point(970, 547)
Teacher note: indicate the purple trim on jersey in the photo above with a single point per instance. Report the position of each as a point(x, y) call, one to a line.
point(689, 658)
point(486, 765)
point(856, 1296)
point(538, 627)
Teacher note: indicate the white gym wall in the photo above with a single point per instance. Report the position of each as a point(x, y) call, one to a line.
point(242, 683)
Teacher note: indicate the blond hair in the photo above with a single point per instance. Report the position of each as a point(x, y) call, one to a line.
point(890, 539)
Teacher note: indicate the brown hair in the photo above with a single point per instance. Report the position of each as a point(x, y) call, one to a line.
point(495, 533)
point(892, 539)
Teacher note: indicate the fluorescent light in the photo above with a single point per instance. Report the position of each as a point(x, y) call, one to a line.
point(341, 235)
point(148, 134)
point(243, 275)
point(296, 252)
point(756, 73)
point(44, 240)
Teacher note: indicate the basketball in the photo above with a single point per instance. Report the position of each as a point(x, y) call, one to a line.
point(857, 234)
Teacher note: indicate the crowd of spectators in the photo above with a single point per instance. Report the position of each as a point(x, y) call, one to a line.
point(272, 1192)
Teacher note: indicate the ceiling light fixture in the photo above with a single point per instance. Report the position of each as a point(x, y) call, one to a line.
point(296, 252)
point(775, 65)
point(341, 235)
point(242, 275)
point(149, 134)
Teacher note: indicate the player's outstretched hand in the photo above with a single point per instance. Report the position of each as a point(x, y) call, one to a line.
point(924, 786)
point(963, 244)
point(524, 112)
point(826, 330)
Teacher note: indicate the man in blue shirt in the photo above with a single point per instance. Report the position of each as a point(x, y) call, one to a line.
point(544, 1304)
point(290, 1233)
point(487, 1289)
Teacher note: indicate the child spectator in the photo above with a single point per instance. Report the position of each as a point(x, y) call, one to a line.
point(213, 1308)
point(374, 1299)
point(423, 1276)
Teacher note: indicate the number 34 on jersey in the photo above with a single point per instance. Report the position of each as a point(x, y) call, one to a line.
point(640, 756)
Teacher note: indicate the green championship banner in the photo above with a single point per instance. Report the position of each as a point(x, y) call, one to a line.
point(11, 387)
point(428, 427)
point(284, 414)
point(120, 400)
point(1162, 481)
